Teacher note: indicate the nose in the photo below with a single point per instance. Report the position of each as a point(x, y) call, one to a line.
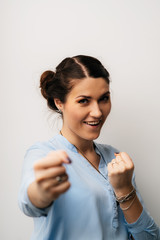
point(95, 111)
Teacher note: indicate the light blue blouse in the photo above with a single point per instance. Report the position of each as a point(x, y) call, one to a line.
point(88, 210)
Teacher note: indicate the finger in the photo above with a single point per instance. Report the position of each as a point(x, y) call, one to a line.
point(54, 158)
point(61, 178)
point(121, 166)
point(53, 182)
point(49, 173)
point(117, 165)
point(61, 188)
point(114, 163)
point(111, 169)
point(126, 158)
point(119, 158)
point(116, 154)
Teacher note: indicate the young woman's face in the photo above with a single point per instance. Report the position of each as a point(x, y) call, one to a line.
point(86, 108)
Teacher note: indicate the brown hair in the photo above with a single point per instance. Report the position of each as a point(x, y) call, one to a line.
point(59, 83)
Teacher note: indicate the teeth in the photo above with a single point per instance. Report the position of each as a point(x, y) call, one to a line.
point(92, 123)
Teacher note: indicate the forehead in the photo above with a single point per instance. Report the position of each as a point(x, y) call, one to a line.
point(89, 87)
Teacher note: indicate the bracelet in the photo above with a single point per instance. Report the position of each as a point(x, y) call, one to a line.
point(124, 209)
point(126, 197)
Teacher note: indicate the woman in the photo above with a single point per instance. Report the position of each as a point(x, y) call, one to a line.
point(73, 187)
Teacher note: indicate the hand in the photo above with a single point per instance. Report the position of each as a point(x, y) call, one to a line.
point(51, 179)
point(120, 171)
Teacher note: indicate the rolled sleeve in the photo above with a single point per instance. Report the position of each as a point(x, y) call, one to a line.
point(29, 209)
point(144, 228)
point(32, 155)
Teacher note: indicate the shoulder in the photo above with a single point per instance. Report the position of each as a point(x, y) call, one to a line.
point(42, 147)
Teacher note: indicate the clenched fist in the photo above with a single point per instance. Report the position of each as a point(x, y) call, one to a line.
point(51, 179)
point(120, 171)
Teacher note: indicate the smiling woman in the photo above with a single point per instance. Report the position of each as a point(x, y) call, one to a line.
point(73, 187)
point(85, 110)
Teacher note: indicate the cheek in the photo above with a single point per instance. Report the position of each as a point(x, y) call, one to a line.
point(107, 110)
point(75, 115)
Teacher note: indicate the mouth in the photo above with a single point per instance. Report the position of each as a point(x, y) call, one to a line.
point(92, 123)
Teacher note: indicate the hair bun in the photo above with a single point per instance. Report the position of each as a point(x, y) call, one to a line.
point(45, 82)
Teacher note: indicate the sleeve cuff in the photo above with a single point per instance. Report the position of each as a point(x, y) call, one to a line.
point(37, 212)
point(142, 223)
point(26, 205)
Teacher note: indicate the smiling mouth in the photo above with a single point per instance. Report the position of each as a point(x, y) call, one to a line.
point(93, 123)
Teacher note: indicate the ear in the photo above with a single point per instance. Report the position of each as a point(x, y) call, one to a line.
point(58, 104)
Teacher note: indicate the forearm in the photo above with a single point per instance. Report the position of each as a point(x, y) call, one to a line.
point(144, 227)
point(132, 209)
point(139, 223)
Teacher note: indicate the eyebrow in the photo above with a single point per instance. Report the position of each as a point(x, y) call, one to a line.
point(84, 96)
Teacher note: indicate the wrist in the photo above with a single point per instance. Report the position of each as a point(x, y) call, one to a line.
point(125, 198)
point(123, 191)
point(36, 197)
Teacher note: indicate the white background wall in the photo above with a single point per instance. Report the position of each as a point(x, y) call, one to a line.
point(35, 36)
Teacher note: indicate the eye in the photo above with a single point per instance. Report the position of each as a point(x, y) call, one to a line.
point(105, 98)
point(84, 100)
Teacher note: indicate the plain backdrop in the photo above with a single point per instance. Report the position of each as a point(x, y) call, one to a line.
point(35, 36)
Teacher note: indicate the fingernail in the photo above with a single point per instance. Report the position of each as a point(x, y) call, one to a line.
point(68, 160)
point(116, 153)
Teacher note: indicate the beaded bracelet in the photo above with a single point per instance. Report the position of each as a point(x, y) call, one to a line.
point(127, 197)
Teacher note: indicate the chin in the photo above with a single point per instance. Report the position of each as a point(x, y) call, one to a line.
point(92, 137)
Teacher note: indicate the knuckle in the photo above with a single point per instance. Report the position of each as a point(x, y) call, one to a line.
point(38, 164)
point(35, 166)
point(63, 169)
point(62, 154)
point(123, 153)
point(51, 171)
point(131, 167)
point(54, 155)
point(38, 179)
point(47, 185)
point(123, 169)
point(41, 176)
point(68, 185)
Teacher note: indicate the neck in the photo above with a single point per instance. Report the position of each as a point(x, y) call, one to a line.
point(81, 144)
